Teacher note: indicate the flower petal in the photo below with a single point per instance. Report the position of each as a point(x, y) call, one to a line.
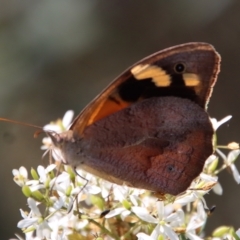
point(23, 172)
point(232, 156)
point(216, 124)
point(115, 212)
point(170, 233)
point(32, 204)
point(27, 222)
point(144, 215)
point(143, 236)
point(217, 189)
point(193, 236)
point(160, 209)
point(67, 118)
point(235, 172)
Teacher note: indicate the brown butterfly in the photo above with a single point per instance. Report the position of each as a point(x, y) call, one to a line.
point(149, 128)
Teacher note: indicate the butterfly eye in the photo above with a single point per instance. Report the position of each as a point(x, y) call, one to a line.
point(179, 68)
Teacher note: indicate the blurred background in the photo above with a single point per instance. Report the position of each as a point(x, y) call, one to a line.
point(58, 55)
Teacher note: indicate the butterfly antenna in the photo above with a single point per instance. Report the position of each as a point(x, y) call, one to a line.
point(20, 123)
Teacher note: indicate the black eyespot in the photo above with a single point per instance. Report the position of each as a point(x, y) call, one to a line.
point(170, 168)
point(180, 68)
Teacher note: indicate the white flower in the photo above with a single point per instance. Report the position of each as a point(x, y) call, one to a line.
point(56, 127)
point(63, 225)
point(216, 124)
point(197, 221)
point(229, 161)
point(64, 188)
point(122, 194)
point(43, 173)
point(35, 221)
point(72, 192)
point(20, 176)
point(164, 224)
point(206, 183)
point(60, 126)
point(44, 180)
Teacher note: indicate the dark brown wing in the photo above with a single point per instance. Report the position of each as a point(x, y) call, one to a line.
point(187, 71)
point(159, 144)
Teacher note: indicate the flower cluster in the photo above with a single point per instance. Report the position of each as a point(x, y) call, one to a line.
point(64, 204)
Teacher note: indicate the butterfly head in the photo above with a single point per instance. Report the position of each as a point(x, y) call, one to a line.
point(66, 145)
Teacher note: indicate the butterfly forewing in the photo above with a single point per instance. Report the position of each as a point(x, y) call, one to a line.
point(156, 76)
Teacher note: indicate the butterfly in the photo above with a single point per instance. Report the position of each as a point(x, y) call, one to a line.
point(149, 128)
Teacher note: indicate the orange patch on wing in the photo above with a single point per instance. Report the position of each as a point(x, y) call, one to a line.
point(191, 79)
point(107, 108)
